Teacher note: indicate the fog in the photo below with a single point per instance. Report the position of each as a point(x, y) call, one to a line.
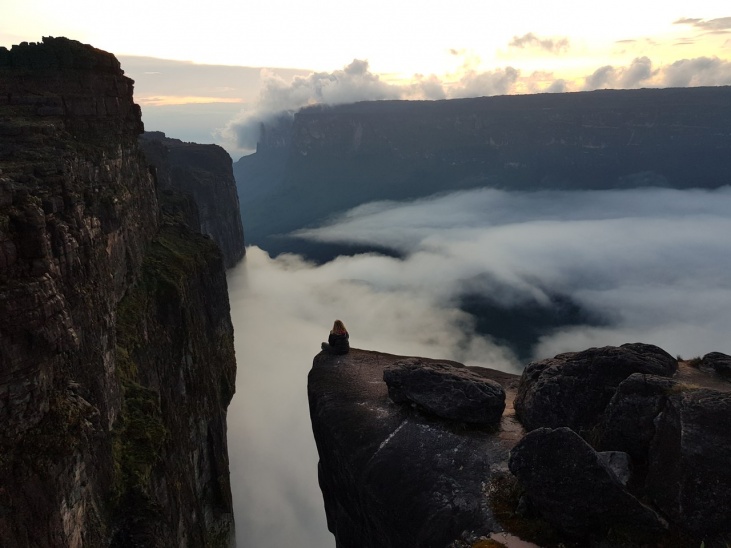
point(653, 262)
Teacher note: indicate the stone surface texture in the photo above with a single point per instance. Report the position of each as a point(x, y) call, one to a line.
point(446, 390)
point(113, 382)
point(392, 476)
point(205, 173)
point(572, 389)
point(719, 362)
point(572, 486)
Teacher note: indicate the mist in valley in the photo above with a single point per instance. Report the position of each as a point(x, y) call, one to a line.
point(648, 265)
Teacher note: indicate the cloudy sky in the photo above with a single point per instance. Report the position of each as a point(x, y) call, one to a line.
point(181, 54)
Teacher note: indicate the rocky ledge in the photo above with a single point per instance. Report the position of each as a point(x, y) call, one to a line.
point(618, 446)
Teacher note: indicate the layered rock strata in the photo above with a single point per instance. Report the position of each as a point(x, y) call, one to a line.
point(116, 354)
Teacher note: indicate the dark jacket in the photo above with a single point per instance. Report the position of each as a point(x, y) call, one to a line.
point(339, 343)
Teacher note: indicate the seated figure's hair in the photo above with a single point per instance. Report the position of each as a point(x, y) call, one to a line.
point(339, 328)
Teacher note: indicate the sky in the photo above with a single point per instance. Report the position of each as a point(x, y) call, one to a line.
point(211, 71)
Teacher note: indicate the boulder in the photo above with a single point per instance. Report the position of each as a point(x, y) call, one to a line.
point(628, 423)
point(572, 389)
point(573, 488)
point(446, 390)
point(689, 477)
point(719, 362)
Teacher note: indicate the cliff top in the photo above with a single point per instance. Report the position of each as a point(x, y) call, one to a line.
point(58, 53)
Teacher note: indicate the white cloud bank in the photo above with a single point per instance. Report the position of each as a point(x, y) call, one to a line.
point(654, 262)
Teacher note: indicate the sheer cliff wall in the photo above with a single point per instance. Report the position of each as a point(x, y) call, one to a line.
point(204, 172)
point(116, 346)
point(329, 159)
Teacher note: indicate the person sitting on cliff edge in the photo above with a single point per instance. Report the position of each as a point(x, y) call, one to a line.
point(337, 342)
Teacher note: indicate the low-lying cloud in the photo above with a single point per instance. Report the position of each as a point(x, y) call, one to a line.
point(653, 262)
point(280, 98)
point(700, 71)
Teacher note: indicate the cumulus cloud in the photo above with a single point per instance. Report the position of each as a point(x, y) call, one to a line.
point(280, 98)
point(530, 40)
point(701, 71)
point(635, 75)
point(481, 84)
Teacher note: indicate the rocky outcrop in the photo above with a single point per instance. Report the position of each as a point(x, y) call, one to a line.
point(116, 354)
point(572, 389)
point(648, 467)
point(719, 362)
point(205, 173)
point(562, 475)
point(392, 476)
point(671, 427)
point(446, 390)
point(332, 158)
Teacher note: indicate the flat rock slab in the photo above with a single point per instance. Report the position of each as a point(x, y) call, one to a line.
point(446, 390)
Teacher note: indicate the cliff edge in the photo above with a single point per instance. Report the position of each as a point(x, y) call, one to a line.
point(612, 446)
point(116, 345)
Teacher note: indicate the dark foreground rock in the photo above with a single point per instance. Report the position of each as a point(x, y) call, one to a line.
point(674, 431)
point(116, 344)
point(390, 475)
point(651, 471)
point(446, 390)
point(572, 389)
point(719, 362)
point(689, 477)
point(573, 487)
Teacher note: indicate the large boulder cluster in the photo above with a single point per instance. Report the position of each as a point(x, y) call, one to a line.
point(588, 411)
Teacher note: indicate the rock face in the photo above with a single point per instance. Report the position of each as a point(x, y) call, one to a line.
point(573, 488)
point(329, 159)
point(674, 432)
point(649, 468)
point(445, 390)
point(205, 173)
point(390, 475)
point(116, 346)
point(573, 389)
point(719, 362)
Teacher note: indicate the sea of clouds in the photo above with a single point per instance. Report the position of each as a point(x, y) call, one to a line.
point(652, 262)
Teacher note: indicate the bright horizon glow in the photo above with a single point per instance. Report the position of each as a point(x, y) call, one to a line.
point(395, 38)
point(193, 63)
